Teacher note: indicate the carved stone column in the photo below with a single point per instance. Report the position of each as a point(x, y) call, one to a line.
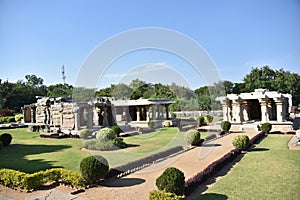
point(264, 109)
point(237, 111)
point(279, 109)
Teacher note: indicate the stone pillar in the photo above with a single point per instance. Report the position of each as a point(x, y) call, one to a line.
point(167, 111)
point(264, 110)
point(158, 111)
point(147, 114)
point(153, 112)
point(90, 117)
point(237, 111)
point(279, 109)
point(226, 110)
point(138, 113)
point(124, 114)
point(105, 121)
point(246, 110)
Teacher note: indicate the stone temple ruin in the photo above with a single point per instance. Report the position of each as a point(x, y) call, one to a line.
point(259, 106)
point(62, 115)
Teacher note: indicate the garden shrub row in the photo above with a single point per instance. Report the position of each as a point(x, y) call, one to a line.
point(16, 179)
point(257, 138)
point(162, 195)
point(192, 183)
point(143, 162)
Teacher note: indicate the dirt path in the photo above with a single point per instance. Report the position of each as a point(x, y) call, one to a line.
point(138, 184)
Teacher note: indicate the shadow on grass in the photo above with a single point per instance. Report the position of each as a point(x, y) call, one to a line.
point(213, 196)
point(14, 157)
point(123, 182)
point(204, 186)
point(259, 149)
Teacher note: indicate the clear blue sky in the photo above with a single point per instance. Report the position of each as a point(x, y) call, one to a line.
point(38, 37)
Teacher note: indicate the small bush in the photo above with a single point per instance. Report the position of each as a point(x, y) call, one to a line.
point(5, 138)
point(167, 123)
point(200, 120)
point(84, 133)
point(99, 145)
point(151, 124)
point(161, 195)
point(16, 179)
point(171, 180)
point(241, 142)
point(225, 126)
point(192, 137)
point(106, 134)
point(173, 115)
point(266, 127)
point(1, 145)
point(93, 168)
point(209, 118)
point(117, 130)
point(18, 117)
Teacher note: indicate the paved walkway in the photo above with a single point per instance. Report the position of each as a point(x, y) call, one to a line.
point(138, 184)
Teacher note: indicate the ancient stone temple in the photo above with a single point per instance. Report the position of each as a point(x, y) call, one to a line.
point(141, 110)
point(50, 114)
point(260, 105)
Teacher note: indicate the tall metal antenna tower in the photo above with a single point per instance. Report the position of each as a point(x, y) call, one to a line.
point(63, 74)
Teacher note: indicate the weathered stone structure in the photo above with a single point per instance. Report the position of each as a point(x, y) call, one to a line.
point(260, 105)
point(141, 110)
point(63, 115)
point(58, 114)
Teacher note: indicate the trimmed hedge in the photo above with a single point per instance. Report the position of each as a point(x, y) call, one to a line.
point(117, 130)
point(171, 180)
point(209, 118)
point(84, 133)
point(200, 120)
point(192, 137)
point(162, 195)
point(241, 141)
point(1, 145)
point(225, 126)
point(192, 183)
point(6, 138)
point(167, 123)
point(16, 179)
point(94, 168)
point(266, 127)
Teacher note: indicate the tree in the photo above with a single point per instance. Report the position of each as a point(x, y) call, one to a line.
point(122, 91)
point(33, 80)
point(275, 80)
point(60, 90)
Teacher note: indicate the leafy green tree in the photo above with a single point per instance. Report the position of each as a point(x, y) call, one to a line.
point(122, 91)
point(60, 90)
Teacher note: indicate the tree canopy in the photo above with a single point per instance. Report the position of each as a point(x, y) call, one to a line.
point(15, 95)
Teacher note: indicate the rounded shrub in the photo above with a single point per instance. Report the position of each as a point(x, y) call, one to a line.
point(200, 120)
point(151, 124)
point(18, 117)
point(225, 126)
point(241, 141)
point(106, 134)
point(167, 123)
point(93, 169)
point(266, 127)
point(117, 130)
point(171, 180)
point(1, 145)
point(209, 118)
point(5, 138)
point(84, 133)
point(192, 137)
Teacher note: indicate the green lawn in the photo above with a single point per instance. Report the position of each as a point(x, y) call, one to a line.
point(270, 171)
point(29, 153)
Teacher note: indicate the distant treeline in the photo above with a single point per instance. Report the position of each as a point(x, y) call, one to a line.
point(13, 96)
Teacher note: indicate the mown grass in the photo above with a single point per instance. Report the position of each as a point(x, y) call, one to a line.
point(30, 153)
point(270, 171)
